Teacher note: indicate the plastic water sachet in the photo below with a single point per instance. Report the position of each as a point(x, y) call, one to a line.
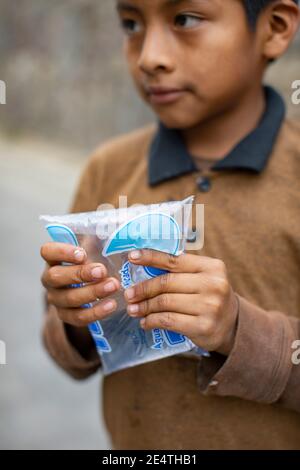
point(108, 236)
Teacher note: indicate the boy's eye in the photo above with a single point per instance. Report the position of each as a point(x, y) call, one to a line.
point(130, 26)
point(187, 21)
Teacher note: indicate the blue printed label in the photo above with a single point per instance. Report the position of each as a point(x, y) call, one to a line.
point(126, 280)
point(154, 272)
point(158, 339)
point(173, 339)
point(153, 230)
point(169, 337)
point(101, 342)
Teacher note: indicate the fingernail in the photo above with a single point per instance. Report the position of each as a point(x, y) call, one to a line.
point(135, 254)
point(109, 287)
point(97, 272)
point(142, 322)
point(108, 306)
point(133, 309)
point(79, 254)
point(130, 293)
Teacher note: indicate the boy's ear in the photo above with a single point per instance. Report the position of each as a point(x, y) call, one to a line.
point(281, 22)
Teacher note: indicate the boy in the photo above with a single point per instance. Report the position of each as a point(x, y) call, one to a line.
point(199, 64)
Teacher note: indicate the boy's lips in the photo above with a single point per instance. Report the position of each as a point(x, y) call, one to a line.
point(164, 95)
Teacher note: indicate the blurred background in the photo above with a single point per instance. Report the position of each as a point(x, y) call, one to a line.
point(67, 90)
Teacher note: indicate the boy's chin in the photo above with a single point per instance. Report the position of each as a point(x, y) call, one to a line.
point(172, 121)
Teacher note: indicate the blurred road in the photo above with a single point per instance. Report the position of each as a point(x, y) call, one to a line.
point(40, 406)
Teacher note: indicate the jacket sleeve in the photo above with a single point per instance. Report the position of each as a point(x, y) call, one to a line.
point(54, 334)
point(61, 350)
point(264, 364)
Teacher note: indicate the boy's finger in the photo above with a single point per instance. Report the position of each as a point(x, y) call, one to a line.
point(75, 298)
point(184, 263)
point(186, 325)
point(183, 283)
point(55, 253)
point(171, 321)
point(61, 276)
point(84, 316)
point(187, 304)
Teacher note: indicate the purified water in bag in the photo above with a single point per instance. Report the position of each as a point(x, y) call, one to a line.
point(108, 236)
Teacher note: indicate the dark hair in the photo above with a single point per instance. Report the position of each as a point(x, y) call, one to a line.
point(255, 7)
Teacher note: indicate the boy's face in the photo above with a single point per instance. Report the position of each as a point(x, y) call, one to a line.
point(191, 59)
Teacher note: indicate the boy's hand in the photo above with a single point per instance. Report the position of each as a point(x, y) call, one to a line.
point(57, 279)
point(195, 299)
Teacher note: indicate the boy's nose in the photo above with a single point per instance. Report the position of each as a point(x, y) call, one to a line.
point(156, 54)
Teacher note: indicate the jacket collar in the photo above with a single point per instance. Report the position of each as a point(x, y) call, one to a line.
point(169, 158)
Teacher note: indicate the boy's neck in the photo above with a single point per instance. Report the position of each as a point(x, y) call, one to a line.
point(215, 138)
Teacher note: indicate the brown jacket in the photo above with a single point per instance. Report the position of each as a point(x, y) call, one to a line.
point(252, 222)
